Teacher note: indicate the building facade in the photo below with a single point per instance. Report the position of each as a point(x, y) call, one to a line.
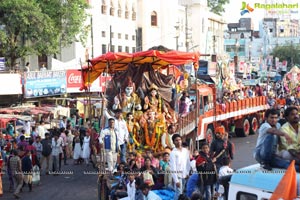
point(137, 25)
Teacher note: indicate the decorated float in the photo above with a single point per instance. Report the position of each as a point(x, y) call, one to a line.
point(146, 96)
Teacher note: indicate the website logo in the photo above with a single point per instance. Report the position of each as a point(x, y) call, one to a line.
point(245, 8)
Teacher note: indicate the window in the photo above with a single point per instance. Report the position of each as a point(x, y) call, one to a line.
point(242, 35)
point(246, 196)
point(201, 105)
point(112, 35)
point(103, 48)
point(271, 30)
point(119, 48)
point(103, 33)
point(133, 49)
point(119, 13)
point(126, 12)
point(103, 7)
point(119, 35)
point(133, 15)
point(43, 60)
point(153, 19)
point(133, 12)
point(133, 37)
point(119, 10)
point(112, 48)
point(126, 36)
point(112, 9)
point(127, 49)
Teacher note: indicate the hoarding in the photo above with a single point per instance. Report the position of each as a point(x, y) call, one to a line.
point(44, 83)
point(74, 82)
point(11, 84)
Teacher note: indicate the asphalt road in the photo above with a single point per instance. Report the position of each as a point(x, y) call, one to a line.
point(244, 148)
point(81, 186)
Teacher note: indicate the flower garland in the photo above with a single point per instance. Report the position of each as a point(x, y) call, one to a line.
point(149, 142)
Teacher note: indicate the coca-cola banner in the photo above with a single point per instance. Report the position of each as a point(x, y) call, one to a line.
point(74, 82)
point(44, 83)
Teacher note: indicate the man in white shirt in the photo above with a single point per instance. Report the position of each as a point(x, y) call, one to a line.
point(108, 137)
point(180, 165)
point(225, 169)
point(131, 187)
point(122, 132)
point(41, 129)
point(63, 122)
point(27, 127)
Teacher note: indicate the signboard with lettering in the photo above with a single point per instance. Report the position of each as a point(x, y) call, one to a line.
point(2, 63)
point(11, 84)
point(44, 83)
point(74, 82)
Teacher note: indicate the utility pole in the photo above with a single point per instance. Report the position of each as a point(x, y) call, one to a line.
point(110, 38)
point(186, 28)
point(177, 35)
point(92, 37)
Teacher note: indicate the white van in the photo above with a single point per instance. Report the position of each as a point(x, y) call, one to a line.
point(255, 183)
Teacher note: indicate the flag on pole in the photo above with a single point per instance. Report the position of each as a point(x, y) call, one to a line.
point(287, 187)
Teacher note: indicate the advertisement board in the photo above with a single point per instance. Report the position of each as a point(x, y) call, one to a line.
point(74, 82)
point(11, 84)
point(44, 83)
point(2, 63)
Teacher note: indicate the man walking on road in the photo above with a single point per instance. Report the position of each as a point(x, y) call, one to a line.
point(16, 170)
point(122, 132)
point(46, 152)
point(180, 165)
point(108, 136)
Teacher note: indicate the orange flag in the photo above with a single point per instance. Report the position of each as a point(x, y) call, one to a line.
point(287, 187)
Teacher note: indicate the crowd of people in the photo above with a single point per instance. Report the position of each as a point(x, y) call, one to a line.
point(26, 157)
point(189, 173)
point(171, 169)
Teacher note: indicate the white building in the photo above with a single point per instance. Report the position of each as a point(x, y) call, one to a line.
point(137, 25)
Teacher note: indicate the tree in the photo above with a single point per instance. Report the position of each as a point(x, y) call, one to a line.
point(38, 27)
point(216, 6)
point(289, 53)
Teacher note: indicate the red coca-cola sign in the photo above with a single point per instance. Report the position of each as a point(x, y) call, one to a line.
point(74, 79)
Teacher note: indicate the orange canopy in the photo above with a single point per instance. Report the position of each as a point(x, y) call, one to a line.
point(119, 62)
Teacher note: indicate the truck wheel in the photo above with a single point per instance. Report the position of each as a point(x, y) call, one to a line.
point(209, 135)
point(254, 125)
point(245, 130)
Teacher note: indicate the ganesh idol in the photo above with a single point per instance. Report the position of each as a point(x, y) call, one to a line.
point(153, 100)
point(128, 101)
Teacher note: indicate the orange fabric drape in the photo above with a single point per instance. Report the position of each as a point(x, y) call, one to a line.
point(287, 187)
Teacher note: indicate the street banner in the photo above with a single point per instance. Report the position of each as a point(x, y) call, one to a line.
point(2, 64)
point(284, 66)
point(212, 68)
point(74, 82)
point(241, 67)
point(11, 84)
point(44, 83)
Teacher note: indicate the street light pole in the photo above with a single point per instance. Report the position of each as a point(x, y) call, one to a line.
point(177, 35)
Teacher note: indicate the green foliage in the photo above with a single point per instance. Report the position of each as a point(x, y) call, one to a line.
point(287, 52)
point(216, 6)
point(39, 27)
